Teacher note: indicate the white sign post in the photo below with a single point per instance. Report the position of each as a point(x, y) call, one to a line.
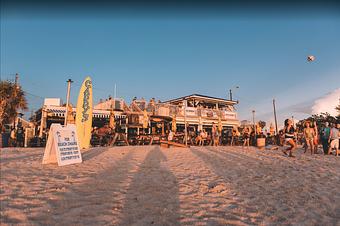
point(62, 145)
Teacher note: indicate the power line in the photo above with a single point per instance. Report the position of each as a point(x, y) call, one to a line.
point(33, 95)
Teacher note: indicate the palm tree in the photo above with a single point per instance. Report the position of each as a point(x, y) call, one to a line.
point(12, 99)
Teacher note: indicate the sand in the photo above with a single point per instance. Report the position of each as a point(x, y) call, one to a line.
point(147, 185)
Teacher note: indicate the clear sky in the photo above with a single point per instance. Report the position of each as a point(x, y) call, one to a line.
point(170, 56)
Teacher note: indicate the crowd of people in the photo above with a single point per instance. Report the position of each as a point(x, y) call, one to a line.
point(13, 136)
point(313, 135)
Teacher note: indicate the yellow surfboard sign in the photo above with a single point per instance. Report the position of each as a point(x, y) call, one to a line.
point(84, 114)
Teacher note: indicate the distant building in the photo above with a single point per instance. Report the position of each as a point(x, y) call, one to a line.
point(53, 112)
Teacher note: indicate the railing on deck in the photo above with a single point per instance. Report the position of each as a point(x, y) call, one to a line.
point(171, 110)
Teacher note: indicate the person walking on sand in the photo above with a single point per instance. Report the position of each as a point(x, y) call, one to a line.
point(324, 135)
point(309, 134)
point(204, 136)
point(215, 135)
point(246, 137)
point(316, 138)
point(12, 137)
point(233, 137)
point(334, 140)
point(20, 137)
point(289, 133)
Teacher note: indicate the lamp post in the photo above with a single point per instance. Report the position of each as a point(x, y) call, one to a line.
point(67, 99)
point(274, 107)
point(231, 92)
point(185, 122)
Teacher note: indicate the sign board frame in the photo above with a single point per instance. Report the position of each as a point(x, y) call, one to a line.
point(62, 145)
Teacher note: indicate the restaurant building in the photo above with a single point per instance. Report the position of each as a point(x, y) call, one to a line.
point(152, 117)
point(202, 111)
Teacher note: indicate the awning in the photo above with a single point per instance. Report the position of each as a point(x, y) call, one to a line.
point(96, 114)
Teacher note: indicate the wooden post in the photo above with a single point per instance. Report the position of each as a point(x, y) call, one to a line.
point(163, 128)
point(277, 132)
point(185, 122)
point(42, 121)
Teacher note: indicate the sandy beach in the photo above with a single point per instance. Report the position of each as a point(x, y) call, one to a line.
point(147, 185)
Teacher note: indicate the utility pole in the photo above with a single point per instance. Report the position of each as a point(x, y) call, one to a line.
point(231, 92)
point(274, 106)
point(67, 99)
point(185, 122)
point(16, 82)
point(115, 92)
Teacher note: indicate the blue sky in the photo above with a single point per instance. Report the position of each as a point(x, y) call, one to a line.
point(170, 57)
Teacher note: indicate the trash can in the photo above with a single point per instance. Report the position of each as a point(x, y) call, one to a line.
point(261, 143)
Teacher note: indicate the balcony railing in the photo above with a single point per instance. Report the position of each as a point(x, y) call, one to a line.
point(171, 110)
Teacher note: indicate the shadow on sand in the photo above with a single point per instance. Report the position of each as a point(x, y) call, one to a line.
point(152, 198)
point(90, 154)
point(24, 157)
point(91, 202)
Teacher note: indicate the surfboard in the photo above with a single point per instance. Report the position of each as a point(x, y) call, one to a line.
point(84, 114)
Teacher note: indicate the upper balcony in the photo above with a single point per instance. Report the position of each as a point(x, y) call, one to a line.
point(178, 111)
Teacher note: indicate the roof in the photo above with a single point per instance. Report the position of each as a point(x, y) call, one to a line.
point(204, 97)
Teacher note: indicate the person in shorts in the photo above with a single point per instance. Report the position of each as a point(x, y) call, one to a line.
point(334, 140)
point(246, 137)
point(316, 138)
point(309, 134)
point(215, 135)
point(289, 134)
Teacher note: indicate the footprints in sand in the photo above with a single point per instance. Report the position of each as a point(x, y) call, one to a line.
point(152, 186)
